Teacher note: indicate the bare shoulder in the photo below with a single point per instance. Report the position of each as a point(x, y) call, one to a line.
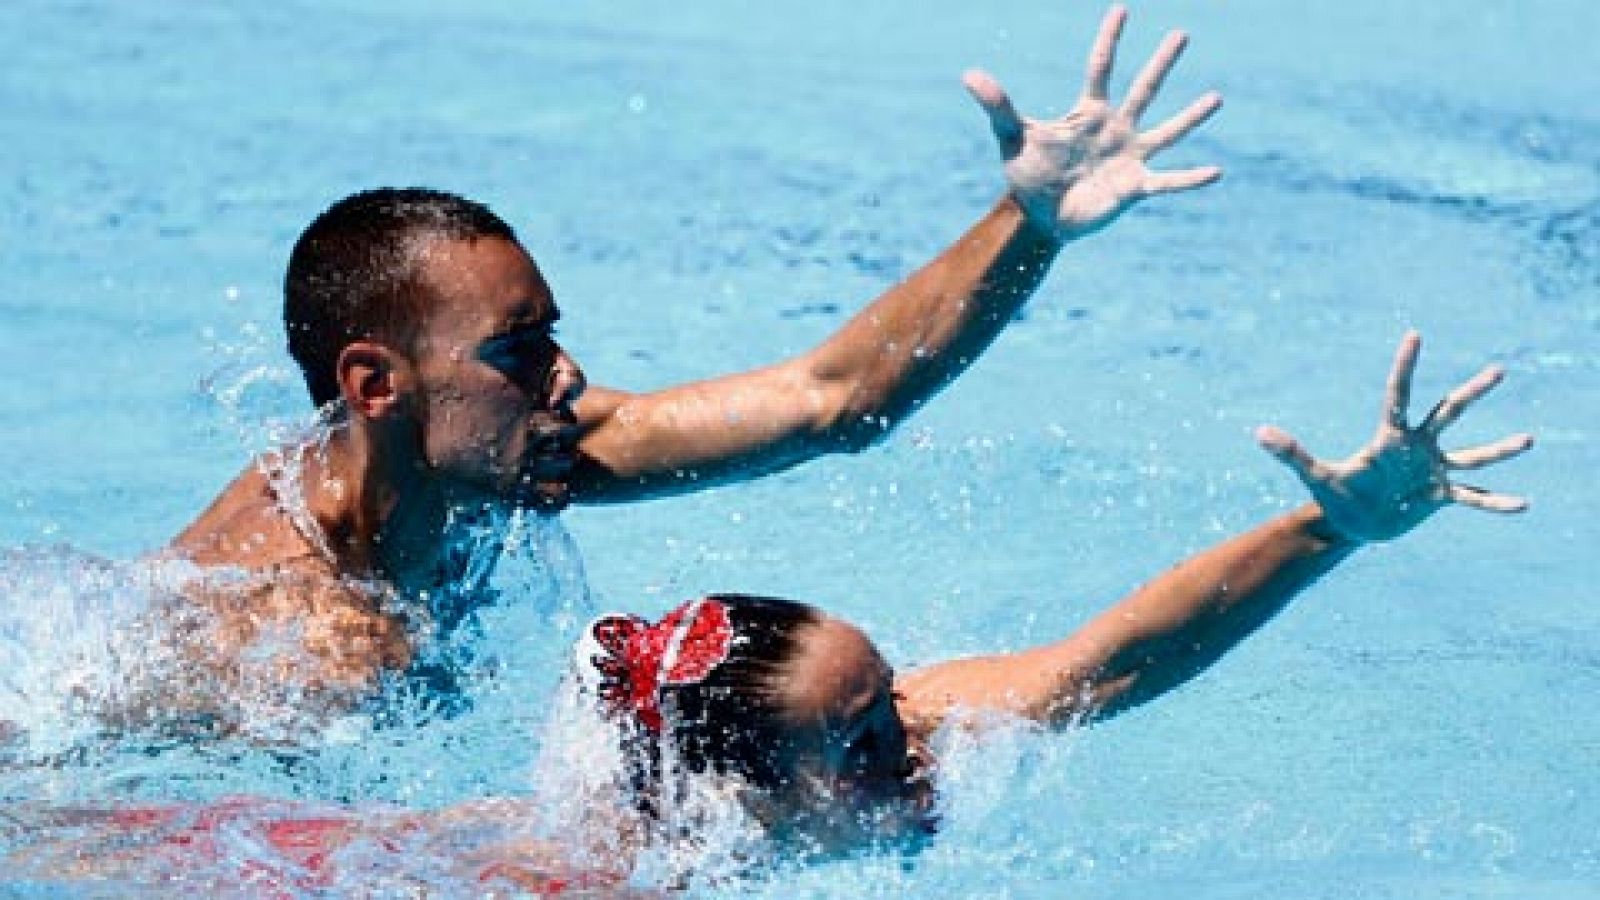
point(266, 614)
point(245, 527)
point(243, 652)
point(920, 699)
point(293, 628)
point(1010, 684)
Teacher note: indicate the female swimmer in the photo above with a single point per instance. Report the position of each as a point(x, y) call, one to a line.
point(831, 745)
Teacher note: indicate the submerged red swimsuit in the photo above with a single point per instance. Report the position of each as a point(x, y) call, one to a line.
point(196, 836)
point(305, 846)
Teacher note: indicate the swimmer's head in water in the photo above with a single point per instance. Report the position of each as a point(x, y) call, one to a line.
point(797, 704)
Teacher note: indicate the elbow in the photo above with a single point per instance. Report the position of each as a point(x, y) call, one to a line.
point(854, 409)
point(852, 422)
point(856, 432)
point(857, 404)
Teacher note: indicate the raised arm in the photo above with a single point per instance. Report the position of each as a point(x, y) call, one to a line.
point(1066, 178)
point(1179, 623)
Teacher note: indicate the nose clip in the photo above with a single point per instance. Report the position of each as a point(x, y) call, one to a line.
point(909, 766)
point(563, 385)
point(919, 762)
point(551, 377)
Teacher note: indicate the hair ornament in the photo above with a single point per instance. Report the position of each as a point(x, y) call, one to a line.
point(627, 660)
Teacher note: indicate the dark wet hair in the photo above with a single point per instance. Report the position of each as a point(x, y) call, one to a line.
point(731, 722)
point(354, 273)
point(726, 718)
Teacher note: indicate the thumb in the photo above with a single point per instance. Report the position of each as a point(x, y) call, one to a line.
point(1003, 117)
point(1288, 451)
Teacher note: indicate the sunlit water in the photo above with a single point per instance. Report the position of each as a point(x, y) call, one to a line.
point(714, 187)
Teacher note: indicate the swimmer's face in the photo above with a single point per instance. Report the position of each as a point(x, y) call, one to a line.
point(495, 390)
point(856, 774)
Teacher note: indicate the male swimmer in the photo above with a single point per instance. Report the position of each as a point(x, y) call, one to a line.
point(424, 331)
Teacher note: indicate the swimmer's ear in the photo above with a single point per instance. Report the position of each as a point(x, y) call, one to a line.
point(373, 379)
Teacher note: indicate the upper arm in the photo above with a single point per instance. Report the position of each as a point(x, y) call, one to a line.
point(705, 433)
point(1053, 685)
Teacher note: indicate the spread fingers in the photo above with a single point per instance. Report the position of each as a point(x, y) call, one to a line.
point(1397, 393)
point(1103, 55)
point(1148, 83)
point(1174, 129)
point(1478, 498)
point(1003, 117)
point(1488, 454)
point(1288, 451)
point(1457, 401)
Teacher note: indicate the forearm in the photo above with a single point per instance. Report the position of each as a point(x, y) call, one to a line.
point(922, 333)
point(843, 395)
point(1162, 634)
point(1179, 623)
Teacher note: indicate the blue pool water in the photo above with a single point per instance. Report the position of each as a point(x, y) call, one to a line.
point(713, 187)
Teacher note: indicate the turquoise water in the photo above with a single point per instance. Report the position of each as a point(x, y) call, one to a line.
point(712, 188)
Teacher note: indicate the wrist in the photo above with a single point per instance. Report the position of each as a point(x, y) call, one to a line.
point(1312, 523)
point(1036, 219)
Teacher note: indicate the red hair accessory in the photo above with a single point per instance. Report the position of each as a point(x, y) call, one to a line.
point(634, 659)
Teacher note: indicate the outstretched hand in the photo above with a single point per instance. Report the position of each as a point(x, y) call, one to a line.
point(1401, 477)
point(1076, 174)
